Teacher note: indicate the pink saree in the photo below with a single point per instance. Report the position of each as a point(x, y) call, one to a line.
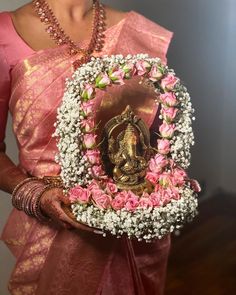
point(51, 260)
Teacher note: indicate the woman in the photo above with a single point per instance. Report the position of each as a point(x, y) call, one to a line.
point(55, 255)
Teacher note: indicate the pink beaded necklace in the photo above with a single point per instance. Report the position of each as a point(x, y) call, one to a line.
point(55, 31)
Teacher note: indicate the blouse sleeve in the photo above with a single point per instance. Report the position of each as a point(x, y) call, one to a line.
point(4, 95)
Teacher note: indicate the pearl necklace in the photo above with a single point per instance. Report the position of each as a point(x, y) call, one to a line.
point(55, 31)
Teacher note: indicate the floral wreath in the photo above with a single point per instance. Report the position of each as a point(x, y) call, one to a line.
point(94, 197)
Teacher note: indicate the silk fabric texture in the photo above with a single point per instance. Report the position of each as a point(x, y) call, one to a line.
point(52, 260)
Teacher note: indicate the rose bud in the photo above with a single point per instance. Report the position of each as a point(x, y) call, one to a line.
point(169, 114)
point(117, 76)
point(163, 146)
point(142, 67)
point(155, 74)
point(195, 185)
point(167, 130)
point(168, 99)
point(88, 107)
point(129, 70)
point(88, 92)
point(102, 81)
point(89, 140)
point(168, 83)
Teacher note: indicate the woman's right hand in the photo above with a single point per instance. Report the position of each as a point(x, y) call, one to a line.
point(51, 205)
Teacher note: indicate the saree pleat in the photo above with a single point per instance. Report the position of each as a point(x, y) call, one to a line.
point(51, 260)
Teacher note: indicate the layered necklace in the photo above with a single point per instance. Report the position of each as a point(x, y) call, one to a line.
point(55, 31)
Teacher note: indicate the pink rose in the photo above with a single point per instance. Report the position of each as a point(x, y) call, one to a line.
point(142, 67)
point(155, 199)
point(151, 177)
point(145, 195)
point(93, 185)
point(79, 194)
point(169, 82)
point(163, 146)
point(93, 156)
point(125, 195)
point(169, 114)
point(157, 163)
point(165, 179)
point(153, 167)
point(88, 125)
point(111, 187)
point(89, 140)
point(88, 92)
point(117, 76)
point(129, 70)
point(172, 164)
point(97, 171)
point(168, 99)
point(178, 177)
point(132, 202)
point(88, 107)
point(165, 196)
point(145, 202)
point(102, 81)
point(167, 130)
point(118, 202)
point(168, 194)
point(130, 194)
point(174, 193)
point(157, 187)
point(101, 200)
point(155, 74)
point(195, 185)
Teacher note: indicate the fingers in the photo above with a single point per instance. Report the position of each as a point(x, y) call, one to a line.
point(68, 221)
point(65, 200)
point(98, 232)
point(52, 205)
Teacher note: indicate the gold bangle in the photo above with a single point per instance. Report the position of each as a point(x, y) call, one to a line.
point(53, 181)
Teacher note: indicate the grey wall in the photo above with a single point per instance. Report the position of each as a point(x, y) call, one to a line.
point(202, 54)
point(228, 126)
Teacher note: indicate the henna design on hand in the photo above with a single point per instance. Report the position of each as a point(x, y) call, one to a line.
point(51, 202)
point(51, 205)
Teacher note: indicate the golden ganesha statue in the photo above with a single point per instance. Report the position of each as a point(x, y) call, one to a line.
point(126, 150)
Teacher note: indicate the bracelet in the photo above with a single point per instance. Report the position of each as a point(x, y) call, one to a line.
point(31, 198)
point(26, 196)
point(22, 183)
point(54, 181)
point(22, 191)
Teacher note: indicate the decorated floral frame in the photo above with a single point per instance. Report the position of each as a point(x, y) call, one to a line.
point(95, 198)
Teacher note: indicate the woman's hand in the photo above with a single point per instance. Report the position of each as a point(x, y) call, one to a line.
point(51, 205)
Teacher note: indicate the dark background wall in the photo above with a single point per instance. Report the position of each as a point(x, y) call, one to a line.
point(202, 53)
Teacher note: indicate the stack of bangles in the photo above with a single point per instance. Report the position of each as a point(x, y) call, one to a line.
point(27, 194)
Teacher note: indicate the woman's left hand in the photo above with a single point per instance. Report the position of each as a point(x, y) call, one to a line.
point(51, 204)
